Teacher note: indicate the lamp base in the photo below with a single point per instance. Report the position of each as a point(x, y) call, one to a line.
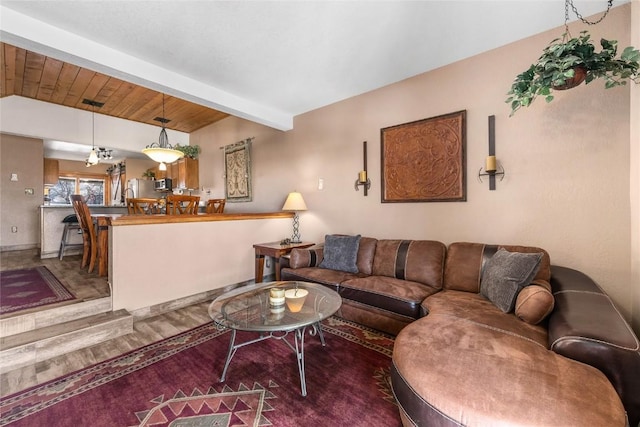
point(295, 238)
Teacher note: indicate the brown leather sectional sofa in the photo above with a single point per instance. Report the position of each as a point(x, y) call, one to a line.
point(565, 357)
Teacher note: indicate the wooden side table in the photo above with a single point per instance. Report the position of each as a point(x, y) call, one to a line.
point(274, 250)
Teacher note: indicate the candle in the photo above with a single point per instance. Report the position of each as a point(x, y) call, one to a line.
point(363, 176)
point(295, 299)
point(491, 164)
point(276, 292)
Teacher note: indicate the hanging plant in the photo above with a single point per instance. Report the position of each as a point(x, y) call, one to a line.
point(567, 63)
point(189, 150)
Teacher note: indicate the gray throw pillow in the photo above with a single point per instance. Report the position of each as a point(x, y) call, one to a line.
point(505, 274)
point(340, 253)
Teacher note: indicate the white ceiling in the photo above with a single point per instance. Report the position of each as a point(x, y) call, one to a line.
point(268, 61)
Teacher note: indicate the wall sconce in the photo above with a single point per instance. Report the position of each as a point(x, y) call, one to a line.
point(363, 179)
point(491, 167)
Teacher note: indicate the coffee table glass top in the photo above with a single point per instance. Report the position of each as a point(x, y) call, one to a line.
point(274, 306)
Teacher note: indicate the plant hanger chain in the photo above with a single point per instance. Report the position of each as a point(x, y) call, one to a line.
point(580, 17)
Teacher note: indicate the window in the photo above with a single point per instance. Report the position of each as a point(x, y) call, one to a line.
point(92, 189)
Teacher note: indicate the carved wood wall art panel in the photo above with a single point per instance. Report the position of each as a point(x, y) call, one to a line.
point(424, 161)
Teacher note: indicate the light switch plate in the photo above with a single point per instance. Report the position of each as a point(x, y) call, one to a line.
point(29, 191)
point(14, 177)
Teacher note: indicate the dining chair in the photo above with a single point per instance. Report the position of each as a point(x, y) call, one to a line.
point(182, 205)
point(215, 205)
point(143, 206)
point(89, 241)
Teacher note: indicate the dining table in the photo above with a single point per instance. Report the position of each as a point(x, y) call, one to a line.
point(102, 222)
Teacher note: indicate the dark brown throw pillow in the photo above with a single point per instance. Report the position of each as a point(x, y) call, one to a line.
point(505, 274)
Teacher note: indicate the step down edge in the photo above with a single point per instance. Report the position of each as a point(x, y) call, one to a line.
point(116, 324)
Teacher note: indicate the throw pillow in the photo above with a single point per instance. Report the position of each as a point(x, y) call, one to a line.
point(310, 257)
point(533, 304)
point(341, 253)
point(505, 274)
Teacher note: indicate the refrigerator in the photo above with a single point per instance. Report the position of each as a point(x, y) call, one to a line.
point(140, 188)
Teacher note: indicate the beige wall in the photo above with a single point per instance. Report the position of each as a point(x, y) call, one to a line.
point(24, 157)
point(635, 174)
point(567, 170)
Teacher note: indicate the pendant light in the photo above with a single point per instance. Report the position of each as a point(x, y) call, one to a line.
point(161, 151)
point(93, 155)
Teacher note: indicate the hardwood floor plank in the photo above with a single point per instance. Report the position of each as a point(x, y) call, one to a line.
point(145, 331)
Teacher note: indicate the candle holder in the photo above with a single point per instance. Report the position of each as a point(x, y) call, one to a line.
point(363, 180)
point(492, 168)
point(366, 183)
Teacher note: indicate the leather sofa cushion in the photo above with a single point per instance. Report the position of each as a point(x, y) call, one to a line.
point(330, 278)
point(413, 260)
point(308, 257)
point(398, 296)
point(465, 261)
point(366, 252)
point(476, 308)
point(534, 303)
point(453, 371)
point(586, 326)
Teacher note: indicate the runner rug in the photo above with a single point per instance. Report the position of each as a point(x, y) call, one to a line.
point(29, 288)
point(176, 382)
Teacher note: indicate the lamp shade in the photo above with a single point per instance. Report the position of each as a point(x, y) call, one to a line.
point(93, 157)
point(294, 202)
point(163, 155)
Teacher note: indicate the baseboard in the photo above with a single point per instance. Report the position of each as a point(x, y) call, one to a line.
point(18, 247)
point(165, 307)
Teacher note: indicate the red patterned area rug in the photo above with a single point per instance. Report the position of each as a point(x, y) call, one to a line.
point(175, 382)
point(29, 288)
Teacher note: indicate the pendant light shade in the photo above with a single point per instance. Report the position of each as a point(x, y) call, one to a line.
point(161, 151)
point(93, 155)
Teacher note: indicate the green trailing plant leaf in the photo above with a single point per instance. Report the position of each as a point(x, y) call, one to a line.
point(556, 68)
point(189, 150)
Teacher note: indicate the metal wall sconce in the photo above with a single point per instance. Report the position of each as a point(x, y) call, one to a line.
point(492, 168)
point(363, 180)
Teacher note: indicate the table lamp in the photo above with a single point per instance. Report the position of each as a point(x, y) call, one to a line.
point(295, 203)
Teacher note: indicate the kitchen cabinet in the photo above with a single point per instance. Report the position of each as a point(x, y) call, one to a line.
point(188, 174)
point(51, 171)
point(184, 173)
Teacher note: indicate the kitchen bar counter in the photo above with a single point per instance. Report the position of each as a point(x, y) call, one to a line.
point(51, 226)
point(201, 217)
point(157, 260)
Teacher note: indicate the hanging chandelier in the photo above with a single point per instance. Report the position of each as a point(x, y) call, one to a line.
point(161, 151)
point(93, 155)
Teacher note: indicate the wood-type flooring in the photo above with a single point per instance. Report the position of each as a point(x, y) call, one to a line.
point(87, 286)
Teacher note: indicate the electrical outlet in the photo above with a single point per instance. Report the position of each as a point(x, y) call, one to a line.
point(14, 229)
point(29, 191)
point(14, 177)
point(320, 184)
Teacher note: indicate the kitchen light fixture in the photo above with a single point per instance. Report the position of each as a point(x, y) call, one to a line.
point(161, 151)
point(93, 156)
point(295, 203)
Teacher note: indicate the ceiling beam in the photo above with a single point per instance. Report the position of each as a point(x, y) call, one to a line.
point(29, 33)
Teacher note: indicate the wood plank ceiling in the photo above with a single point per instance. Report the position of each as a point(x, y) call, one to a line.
point(41, 77)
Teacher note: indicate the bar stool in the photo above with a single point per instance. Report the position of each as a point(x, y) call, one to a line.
point(70, 223)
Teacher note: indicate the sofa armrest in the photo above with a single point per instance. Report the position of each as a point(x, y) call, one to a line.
point(586, 326)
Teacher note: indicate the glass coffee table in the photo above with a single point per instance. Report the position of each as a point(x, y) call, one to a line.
point(274, 310)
